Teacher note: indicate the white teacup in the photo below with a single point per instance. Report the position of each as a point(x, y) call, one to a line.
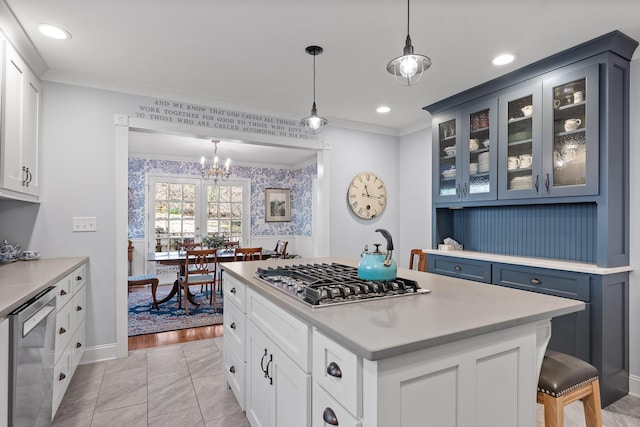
point(527, 110)
point(571, 124)
point(578, 97)
point(474, 144)
point(526, 160)
point(513, 162)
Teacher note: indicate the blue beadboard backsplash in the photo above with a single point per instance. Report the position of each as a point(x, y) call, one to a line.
point(565, 231)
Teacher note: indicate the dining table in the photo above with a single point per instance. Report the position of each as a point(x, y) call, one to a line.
point(179, 258)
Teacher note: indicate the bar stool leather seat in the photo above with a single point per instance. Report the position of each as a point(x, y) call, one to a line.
point(563, 380)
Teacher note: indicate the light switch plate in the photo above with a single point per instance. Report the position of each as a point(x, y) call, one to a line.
point(84, 223)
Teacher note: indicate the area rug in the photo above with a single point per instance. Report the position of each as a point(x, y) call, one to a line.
point(145, 319)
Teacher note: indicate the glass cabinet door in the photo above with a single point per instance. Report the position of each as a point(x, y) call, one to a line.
point(479, 176)
point(520, 140)
point(446, 155)
point(572, 126)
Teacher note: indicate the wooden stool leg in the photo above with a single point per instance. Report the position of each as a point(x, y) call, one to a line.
point(553, 411)
point(592, 411)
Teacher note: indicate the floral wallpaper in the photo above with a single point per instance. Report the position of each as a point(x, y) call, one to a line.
point(299, 181)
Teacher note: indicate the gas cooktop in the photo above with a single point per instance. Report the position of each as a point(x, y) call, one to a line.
point(323, 285)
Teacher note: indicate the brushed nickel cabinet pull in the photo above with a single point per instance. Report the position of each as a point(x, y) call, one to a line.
point(62, 331)
point(63, 292)
point(62, 376)
point(536, 281)
point(233, 290)
point(232, 325)
point(457, 268)
point(232, 369)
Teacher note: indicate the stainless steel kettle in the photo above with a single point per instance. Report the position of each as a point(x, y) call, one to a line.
point(377, 265)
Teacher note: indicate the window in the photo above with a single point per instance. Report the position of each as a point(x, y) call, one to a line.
point(181, 208)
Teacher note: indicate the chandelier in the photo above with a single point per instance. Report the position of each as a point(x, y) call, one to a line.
point(314, 123)
point(408, 68)
point(215, 171)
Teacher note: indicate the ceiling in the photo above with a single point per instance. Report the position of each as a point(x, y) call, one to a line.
point(249, 55)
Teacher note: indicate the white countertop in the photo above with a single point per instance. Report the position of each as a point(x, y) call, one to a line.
point(22, 280)
point(555, 264)
point(380, 328)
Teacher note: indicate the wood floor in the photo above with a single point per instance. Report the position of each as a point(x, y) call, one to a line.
point(172, 337)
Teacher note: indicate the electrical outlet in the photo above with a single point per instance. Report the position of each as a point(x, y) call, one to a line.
point(87, 223)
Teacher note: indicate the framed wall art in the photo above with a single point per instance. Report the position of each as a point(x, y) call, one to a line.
point(277, 204)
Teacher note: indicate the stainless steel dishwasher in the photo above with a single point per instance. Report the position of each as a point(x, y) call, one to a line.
point(31, 360)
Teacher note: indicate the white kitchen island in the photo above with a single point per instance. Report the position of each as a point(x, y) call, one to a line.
point(466, 354)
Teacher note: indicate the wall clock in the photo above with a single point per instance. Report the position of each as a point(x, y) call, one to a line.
point(367, 195)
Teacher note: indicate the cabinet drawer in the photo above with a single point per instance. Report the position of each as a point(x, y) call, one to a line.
point(61, 379)
point(63, 330)
point(285, 330)
point(235, 292)
point(235, 330)
point(552, 282)
point(234, 372)
point(480, 271)
point(78, 307)
point(338, 371)
point(78, 278)
point(324, 405)
point(77, 346)
point(63, 292)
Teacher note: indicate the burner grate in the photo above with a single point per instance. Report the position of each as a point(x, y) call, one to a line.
point(329, 284)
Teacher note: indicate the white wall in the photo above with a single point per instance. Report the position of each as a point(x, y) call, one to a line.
point(415, 193)
point(353, 152)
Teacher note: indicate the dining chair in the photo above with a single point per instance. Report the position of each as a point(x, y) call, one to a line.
point(142, 279)
point(422, 259)
point(247, 254)
point(200, 269)
point(281, 249)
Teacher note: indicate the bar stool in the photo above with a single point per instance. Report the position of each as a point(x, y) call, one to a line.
point(563, 380)
point(422, 259)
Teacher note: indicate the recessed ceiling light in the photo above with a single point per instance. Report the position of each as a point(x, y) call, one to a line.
point(503, 59)
point(54, 32)
point(383, 109)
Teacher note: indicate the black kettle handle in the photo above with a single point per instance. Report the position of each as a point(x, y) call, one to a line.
point(387, 236)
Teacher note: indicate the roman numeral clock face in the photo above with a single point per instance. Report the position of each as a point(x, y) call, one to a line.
point(367, 195)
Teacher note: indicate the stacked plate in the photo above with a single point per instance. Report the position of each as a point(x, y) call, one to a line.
point(483, 162)
point(450, 173)
point(521, 183)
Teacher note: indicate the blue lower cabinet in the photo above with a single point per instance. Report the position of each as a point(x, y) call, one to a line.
point(598, 334)
point(480, 271)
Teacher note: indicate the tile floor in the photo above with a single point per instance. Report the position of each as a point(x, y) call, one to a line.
point(163, 386)
point(183, 385)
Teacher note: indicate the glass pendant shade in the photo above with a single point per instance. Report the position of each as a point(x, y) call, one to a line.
point(314, 123)
point(408, 68)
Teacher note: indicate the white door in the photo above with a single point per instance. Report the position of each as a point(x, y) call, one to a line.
point(181, 208)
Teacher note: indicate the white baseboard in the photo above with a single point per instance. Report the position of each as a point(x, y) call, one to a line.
point(634, 385)
point(99, 353)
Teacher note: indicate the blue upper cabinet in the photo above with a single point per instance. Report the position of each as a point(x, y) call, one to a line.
point(480, 148)
point(520, 141)
point(570, 129)
point(447, 152)
point(465, 154)
point(557, 134)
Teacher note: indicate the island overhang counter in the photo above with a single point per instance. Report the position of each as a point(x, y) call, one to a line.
point(464, 354)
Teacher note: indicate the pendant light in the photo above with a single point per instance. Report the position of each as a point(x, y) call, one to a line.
point(314, 123)
point(408, 68)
